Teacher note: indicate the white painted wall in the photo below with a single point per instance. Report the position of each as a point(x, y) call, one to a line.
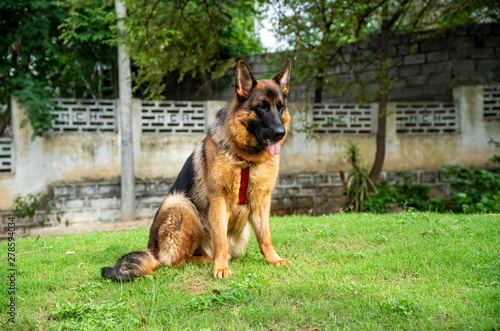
point(96, 157)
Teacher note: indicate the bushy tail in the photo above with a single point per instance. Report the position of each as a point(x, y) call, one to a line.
point(130, 266)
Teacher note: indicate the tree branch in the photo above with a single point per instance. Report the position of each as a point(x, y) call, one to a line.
point(419, 16)
point(396, 14)
point(221, 11)
point(42, 249)
point(366, 14)
point(149, 17)
point(5, 119)
point(184, 4)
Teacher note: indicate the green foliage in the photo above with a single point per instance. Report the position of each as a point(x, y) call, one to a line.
point(316, 31)
point(28, 30)
point(311, 130)
point(89, 289)
point(496, 158)
point(88, 33)
point(359, 185)
point(90, 316)
point(188, 37)
point(37, 65)
point(382, 199)
point(167, 37)
point(409, 194)
point(473, 190)
point(35, 98)
point(401, 306)
point(239, 293)
point(91, 21)
point(27, 206)
point(67, 48)
point(404, 194)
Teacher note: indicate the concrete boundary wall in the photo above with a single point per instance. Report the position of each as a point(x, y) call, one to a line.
point(491, 101)
point(87, 159)
point(92, 206)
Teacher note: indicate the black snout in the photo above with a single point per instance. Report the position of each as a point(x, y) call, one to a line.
point(278, 133)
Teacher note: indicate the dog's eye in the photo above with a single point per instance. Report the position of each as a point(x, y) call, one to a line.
point(261, 106)
point(281, 107)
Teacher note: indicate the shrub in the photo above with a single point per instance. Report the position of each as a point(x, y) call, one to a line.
point(403, 194)
point(381, 199)
point(473, 190)
point(409, 194)
point(359, 185)
point(27, 206)
point(90, 316)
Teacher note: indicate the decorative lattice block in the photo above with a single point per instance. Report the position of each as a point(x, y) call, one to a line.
point(343, 118)
point(491, 101)
point(173, 117)
point(6, 155)
point(426, 117)
point(75, 115)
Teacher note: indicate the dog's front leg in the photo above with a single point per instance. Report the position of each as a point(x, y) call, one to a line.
point(262, 229)
point(218, 217)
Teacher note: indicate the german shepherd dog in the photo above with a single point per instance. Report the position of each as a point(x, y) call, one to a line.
point(226, 182)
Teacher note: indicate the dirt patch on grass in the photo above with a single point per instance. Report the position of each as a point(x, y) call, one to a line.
point(197, 288)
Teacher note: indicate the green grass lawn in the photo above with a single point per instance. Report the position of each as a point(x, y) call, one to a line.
point(353, 271)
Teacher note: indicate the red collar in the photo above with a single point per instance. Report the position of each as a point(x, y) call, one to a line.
point(245, 175)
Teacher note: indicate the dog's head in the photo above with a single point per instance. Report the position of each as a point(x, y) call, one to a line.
point(262, 115)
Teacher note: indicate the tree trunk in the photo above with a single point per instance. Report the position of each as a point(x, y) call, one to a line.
point(127, 147)
point(318, 86)
point(384, 98)
point(5, 119)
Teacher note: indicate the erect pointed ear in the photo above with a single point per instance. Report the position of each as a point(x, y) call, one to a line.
point(245, 81)
point(283, 77)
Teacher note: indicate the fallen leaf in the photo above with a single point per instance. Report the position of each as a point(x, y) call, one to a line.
point(215, 291)
point(70, 252)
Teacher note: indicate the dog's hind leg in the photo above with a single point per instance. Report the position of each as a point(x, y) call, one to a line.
point(177, 231)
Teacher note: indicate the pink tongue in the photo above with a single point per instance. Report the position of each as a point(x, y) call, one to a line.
point(274, 147)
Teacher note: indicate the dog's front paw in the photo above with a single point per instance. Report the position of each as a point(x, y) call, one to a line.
point(279, 262)
point(221, 272)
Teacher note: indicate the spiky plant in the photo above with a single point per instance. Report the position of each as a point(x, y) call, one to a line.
point(359, 185)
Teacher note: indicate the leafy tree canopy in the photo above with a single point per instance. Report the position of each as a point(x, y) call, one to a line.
point(315, 30)
point(36, 64)
point(187, 37)
point(67, 48)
